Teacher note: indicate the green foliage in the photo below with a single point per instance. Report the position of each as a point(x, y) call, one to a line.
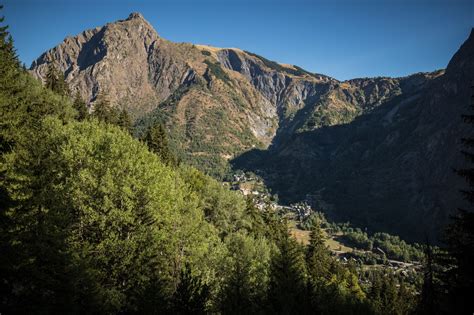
point(102, 231)
point(112, 204)
point(191, 295)
point(92, 221)
point(216, 70)
point(247, 274)
point(221, 207)
point(332, 288)
point(317, 256)
point(103, 110)
point(288, 275)
point(55, 80)
point(157, 142)
point(393, 247)
point(205, 53)
point(24, 102)
point(124, 121)
point(389, 295)
point(358, 239)
point(81, 108)
point(314, 218)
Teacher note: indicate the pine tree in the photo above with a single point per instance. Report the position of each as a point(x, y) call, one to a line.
point(55, 80)
point(428, 290)
point(80, 106)
point(9, 76)
point(254, 217)
point(383, 293)
point(104, 111)
point(288, 288)
point(460, 235)
point(318, 263)
point(157, 142)
point(125, 121)
point(191, 295)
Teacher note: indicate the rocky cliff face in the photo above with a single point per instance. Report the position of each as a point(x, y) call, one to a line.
point(368, 149)
point(215, 113)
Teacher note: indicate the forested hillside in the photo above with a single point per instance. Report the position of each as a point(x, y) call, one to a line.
point(375, 151)
point(95, 220)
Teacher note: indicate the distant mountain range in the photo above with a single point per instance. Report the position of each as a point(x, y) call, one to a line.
point(376, 151)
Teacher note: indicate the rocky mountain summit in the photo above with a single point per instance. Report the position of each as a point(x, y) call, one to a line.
point(358, 148)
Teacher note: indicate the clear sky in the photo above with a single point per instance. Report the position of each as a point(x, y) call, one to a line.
point(341, 38)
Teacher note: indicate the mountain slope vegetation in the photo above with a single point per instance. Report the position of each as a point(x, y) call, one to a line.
point(92, 221)
point(369, 150)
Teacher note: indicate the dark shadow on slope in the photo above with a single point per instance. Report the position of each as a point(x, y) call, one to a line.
point(92, 51)
point(390, 170)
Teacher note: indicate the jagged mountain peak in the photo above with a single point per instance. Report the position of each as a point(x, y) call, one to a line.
point(135, 15)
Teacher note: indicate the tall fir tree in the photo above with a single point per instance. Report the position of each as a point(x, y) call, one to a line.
point(288, 286)
point(428, 299)
point(246, 281)
point(256, 224)
point(81, 108)
point(124, 120)
point(191, 295)
point(459, 235)
point(157, 141)
point(55, 80)
point(318, 263)
point(9, 76)
point(103, 110)
point(318, 257)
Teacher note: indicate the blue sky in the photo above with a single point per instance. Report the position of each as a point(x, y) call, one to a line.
point(341, 38)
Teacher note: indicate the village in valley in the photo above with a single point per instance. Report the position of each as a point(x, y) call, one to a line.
point(348, 244)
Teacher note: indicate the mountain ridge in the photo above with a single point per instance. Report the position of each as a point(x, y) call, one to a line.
point(227, 104)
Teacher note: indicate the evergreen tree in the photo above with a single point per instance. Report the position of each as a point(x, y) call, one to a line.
point(287, 289)
point(460, 235)
point(318, 263)
point(104, 111)
point(80, 106)
point(124, 120)
point(428, 302)
point(28, 240)
point(7, 49)
point(157, 142)
point(191, 295)
point(254, 218)
point(9, 77)
point(55, 80)
point(318, 257)
point(247, 277)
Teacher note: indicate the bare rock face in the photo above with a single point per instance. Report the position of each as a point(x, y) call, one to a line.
point(138, 70)
point(150, 76)
point(126, 59)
